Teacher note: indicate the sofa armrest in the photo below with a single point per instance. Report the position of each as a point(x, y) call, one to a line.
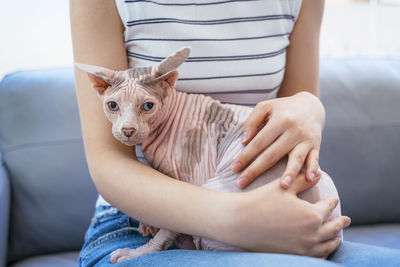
point(4, 211)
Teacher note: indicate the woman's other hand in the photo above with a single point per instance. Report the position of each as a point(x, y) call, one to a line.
point(284, 126)
point(270, 219)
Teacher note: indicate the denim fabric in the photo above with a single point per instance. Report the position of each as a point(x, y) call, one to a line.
point(110, 229)
point(359, 254)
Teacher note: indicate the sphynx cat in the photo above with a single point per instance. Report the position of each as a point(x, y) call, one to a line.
point(190, 137)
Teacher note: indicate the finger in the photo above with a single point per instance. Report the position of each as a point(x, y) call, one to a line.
point(257, 117)
point(261, 141)
point(332, 228)
point(267, 159)
point(295, 162)
point(312, 164)
point(322, 250)
point(300, 184)
point(326, 206)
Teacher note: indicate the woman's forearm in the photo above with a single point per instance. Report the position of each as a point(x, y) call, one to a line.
point(139, 191)
point(158, 200)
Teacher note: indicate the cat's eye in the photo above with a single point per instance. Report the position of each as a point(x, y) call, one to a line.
point(147, 106)
point(113, 106)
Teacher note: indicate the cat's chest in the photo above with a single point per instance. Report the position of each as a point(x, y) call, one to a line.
point(188, 157)
point(188, 149)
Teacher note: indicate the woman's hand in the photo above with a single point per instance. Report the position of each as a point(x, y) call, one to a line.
point(271, 219)
point(283, 126)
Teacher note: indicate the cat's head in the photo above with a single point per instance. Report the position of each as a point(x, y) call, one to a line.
point(133, 98)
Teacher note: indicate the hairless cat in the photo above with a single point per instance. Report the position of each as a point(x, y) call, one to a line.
point(190, 137)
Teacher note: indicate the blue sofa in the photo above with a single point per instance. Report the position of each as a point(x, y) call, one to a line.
point(47, 198)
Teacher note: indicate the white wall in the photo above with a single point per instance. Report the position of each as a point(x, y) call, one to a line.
point(361, 29)
point(36, 34)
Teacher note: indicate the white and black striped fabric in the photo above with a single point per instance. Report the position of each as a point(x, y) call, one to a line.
point(238, 46)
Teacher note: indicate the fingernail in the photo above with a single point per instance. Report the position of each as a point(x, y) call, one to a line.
point(244, 136)
point(287, 180)
point(242, 182)
point(336, 201)
point(236, 166)
point(347, 223)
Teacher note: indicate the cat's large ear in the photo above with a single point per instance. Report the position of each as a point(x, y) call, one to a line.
point(101, 78)
point(172, 62)
point(166, 69)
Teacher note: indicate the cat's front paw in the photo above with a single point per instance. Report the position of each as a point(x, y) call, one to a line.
point(146, 230)
point(123, 254)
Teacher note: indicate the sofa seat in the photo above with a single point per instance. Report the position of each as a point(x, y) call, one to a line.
point(65, 259)
point(385, 235)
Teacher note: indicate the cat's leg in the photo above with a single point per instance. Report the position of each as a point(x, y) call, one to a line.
point(184, 241)
point(197, 241)
point(161, 241)
point(146, 230)
point(204, 243)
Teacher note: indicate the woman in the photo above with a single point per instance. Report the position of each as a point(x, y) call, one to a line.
point(124, 34)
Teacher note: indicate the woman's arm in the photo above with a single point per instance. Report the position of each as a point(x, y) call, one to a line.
point(156, 199)
point(301, 71)
point(293, 121)
point(139, 191)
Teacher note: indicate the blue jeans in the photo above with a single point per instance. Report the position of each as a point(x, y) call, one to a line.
point(111, 229)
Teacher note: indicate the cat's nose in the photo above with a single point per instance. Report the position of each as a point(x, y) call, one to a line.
point(128, 131)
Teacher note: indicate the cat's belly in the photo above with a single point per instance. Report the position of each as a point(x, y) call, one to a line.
point(227, 182)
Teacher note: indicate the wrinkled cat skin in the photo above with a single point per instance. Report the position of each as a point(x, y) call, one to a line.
point(190, 137)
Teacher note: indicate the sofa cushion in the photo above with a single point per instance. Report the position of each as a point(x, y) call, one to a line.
point(40, 139)
point(66, 259)
point(384, 235)
point(361, 140)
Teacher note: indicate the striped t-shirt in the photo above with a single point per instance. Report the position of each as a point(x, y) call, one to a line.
point(238, 46)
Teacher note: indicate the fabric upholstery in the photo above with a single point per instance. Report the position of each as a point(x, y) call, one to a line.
point(52, 194)
point(385, 235)
point(361, 140)
point(66, 259)
point(4, 210)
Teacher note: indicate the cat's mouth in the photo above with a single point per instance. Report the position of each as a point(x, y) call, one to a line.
point(129, 142)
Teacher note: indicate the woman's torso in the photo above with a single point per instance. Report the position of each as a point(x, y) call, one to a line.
point(238, 46)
